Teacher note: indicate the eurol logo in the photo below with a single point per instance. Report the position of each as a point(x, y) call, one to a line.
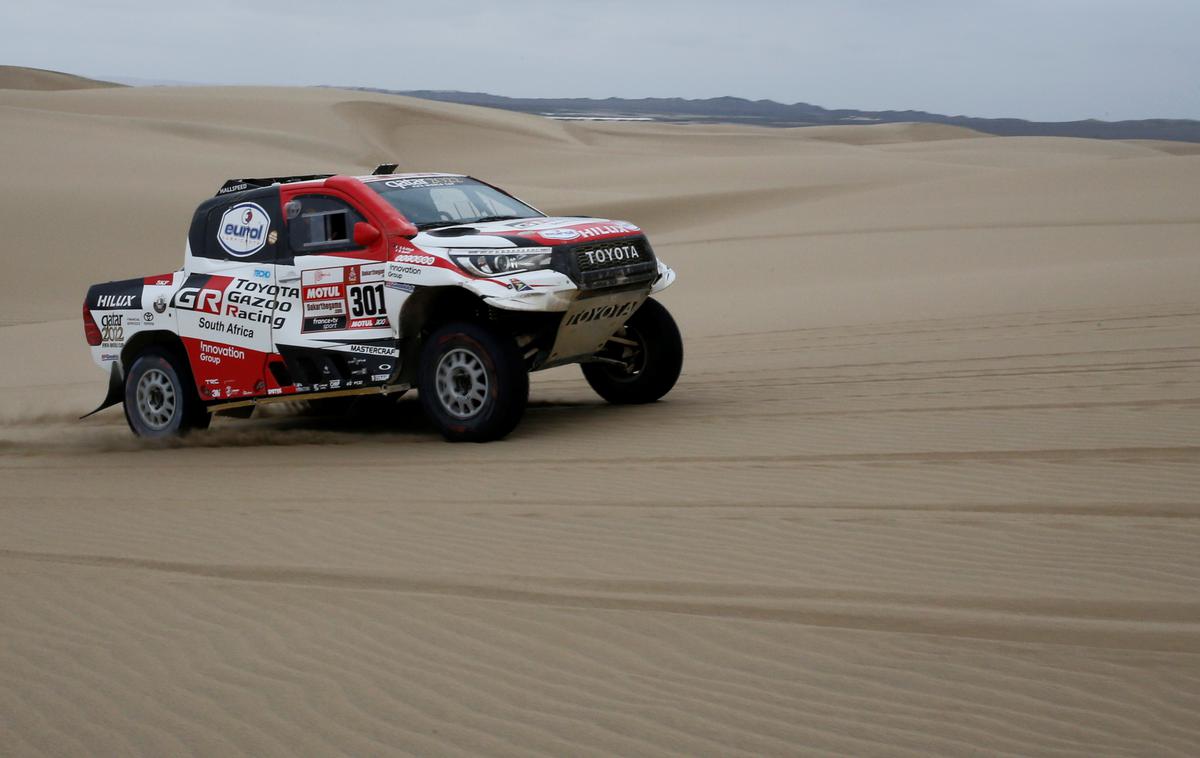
point(243, 229)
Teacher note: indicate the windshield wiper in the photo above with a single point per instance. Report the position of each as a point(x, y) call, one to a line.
point(436, 224)
point(485, 219)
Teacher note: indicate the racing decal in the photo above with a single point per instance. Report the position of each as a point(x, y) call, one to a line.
point(225, 372)
point(610, 254)
point(584, 232)
point(112, 330)
point(232, 310)
point(122, 295)
point(425, 181)
point(343, 297)
point(610, 311)
point(162, 280)
point(410, 261)
point(338, 367)
point(202, 292)
point(117, 301)
point(241, 303)
point(388, 350)
point(243, 229)
point(420, 259)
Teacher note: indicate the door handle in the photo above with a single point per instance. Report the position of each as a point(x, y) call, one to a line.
point(286, 279)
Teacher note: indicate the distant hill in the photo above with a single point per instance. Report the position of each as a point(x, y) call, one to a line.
point(736, 110)
point(19, 77)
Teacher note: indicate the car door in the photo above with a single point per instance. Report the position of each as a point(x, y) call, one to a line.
point(226, 307)
point(335, 331)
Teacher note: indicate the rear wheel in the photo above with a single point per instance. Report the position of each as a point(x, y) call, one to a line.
point(159, 398)
point(642, 361)
point(473, 383)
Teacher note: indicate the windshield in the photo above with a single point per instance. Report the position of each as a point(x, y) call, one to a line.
point(434, 201)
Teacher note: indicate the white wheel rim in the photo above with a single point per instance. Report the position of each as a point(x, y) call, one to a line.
point(462, 383)
point(156, 399)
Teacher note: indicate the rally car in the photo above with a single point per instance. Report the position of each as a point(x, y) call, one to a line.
point(327, 286)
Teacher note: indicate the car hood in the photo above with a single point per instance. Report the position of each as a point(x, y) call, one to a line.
point(540, 231)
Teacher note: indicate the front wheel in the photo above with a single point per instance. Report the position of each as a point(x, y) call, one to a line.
point(642, 361)
point(159, 398)
point(473, 384)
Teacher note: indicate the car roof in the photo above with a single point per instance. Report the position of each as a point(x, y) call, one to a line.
point(237, 186)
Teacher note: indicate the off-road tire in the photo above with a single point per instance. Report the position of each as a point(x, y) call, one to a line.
point(169, 405)
point(472, 382)
point(656, 361)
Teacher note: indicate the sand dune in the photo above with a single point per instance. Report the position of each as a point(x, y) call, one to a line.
point(927, 486)
point(19, 77)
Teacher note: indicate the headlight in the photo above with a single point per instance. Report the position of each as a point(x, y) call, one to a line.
point(488, 263)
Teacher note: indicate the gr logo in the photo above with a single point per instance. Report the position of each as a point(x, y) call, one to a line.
point(199, 299)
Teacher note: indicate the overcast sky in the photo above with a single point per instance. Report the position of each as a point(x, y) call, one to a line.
point(1045, 60)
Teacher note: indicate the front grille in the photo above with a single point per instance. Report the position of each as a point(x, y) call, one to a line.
point(612, 263)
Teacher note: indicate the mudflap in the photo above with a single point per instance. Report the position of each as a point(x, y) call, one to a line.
point(116, 391)
point(590, 321)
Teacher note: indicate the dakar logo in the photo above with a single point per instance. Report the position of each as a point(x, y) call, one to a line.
point(243, 229)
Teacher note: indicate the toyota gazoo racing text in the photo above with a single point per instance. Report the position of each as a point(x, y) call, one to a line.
point(329, 286)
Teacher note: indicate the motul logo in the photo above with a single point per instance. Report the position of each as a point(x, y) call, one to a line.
point(322, 292)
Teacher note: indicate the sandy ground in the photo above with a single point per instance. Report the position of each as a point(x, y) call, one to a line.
point(928, 484)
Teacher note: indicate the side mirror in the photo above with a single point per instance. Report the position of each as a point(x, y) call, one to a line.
point(365, 235)
point(408, 229)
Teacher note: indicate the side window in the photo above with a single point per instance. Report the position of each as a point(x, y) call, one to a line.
point(319, 223)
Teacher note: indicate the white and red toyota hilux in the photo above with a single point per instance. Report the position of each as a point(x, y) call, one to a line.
point(332, 286)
